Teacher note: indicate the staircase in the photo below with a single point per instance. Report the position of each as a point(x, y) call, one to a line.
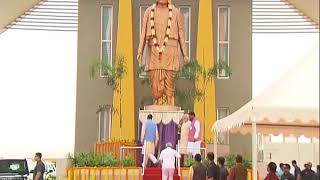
point(280, 16)
point(156, 174)
point(49, 15)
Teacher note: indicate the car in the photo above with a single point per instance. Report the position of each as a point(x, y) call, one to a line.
point(14, 169)
point(50, 172)
point(50, 169)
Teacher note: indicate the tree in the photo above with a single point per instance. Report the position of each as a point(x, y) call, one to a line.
point(113, 76)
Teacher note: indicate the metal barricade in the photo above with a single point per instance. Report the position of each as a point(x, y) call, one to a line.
point(134, 147)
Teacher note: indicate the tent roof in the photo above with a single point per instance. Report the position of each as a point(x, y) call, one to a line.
point(289, 106)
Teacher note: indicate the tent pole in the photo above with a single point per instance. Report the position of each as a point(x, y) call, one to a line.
point(215, 147)
point(254, 150)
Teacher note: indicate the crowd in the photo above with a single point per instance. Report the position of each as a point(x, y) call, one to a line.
point(190, 137)
point(239, 172)
point(286, 172)
point(217, 171)
point(190, 140)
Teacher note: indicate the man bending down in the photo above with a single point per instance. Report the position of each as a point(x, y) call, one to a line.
point(167, 157)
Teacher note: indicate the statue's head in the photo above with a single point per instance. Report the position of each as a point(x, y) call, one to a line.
point(164, 1)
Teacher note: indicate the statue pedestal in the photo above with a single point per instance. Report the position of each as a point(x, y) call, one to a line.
point(162, 114)
point(162, 108)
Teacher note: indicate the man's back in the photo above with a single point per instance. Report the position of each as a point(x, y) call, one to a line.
point(238, 172)
point(151, 129)
point(168, 156)
point(223, 173)
point(297, 171)
point(213, 171)
point(199, 172)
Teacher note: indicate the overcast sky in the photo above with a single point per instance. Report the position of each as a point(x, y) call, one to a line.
point(38, 85)
point(37, 94)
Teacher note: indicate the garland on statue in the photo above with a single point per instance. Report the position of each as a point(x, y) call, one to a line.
point(159, 48)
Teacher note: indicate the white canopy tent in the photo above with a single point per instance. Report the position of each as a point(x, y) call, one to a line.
point(290, 106)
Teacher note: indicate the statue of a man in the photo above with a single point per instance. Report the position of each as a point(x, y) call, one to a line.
point(163, 32)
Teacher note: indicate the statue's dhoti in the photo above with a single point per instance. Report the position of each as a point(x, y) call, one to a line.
point(162, 82)
point(162, 69)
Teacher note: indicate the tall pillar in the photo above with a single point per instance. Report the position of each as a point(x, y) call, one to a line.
point(125, 48)
point(206, 108)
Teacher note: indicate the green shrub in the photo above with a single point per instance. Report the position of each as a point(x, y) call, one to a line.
point(94, 160)
point(247, 163)
point(231, 161)
point(190, 162)
point(128, 161)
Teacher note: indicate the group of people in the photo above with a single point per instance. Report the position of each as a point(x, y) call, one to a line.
point(190, 141)
point(200, 171)
point(190, 136)
point(217, 171)
point(285, 172)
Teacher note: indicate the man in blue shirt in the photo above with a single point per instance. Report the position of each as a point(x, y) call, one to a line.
point(149, 137)
point(297, 170)
point(280, 170)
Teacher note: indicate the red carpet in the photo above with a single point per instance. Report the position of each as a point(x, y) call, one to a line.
point(156, 174)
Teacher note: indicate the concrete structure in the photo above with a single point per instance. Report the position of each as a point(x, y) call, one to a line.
point(12, 9)
point(309, 7)
point(234, 92)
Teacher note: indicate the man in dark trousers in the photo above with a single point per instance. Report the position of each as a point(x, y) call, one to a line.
point(40, 167)
point(213, 169)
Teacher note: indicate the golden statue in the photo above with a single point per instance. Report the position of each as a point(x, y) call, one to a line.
point(162, 30)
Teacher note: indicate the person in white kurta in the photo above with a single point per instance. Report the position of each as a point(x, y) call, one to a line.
point(184, 134)
point(167, 157)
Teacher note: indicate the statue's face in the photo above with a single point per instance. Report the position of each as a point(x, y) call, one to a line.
point(162, 1)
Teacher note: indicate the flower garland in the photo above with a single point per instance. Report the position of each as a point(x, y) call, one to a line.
point(159, 48)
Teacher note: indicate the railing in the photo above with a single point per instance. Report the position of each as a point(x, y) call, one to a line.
point(112, 173)
point(130, 149)
point(133, 148)
point(144, 158)
point(177, 160)
point(114, 148)
point(92, 173)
